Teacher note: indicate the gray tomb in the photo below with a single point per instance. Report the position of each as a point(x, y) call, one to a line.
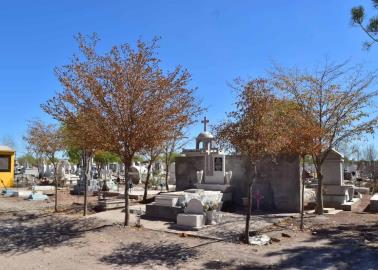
point(278, 181)
point(336, 193)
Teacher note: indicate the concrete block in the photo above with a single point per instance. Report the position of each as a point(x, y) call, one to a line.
point(38, 197)
point(23, 193)
point(108, 204)
point(163, 200)
point(352, 205)
point(374, 203)
point(334, 201)
point(191, 221)
point(163, 212)
point(335, 190)
point(362, 190)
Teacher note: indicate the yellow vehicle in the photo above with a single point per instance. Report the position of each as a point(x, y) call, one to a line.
point(6, 166)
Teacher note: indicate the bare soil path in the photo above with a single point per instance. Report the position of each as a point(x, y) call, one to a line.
point(40, 239)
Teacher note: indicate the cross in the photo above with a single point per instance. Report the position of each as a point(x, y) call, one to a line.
point(204, 122)
point(258, 197)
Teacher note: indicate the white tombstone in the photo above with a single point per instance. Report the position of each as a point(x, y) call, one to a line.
point(194, 215)
point(335, 192)
point(199, 176)
point(332, 169)
point(172, 174)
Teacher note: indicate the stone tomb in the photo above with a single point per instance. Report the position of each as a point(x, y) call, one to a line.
point(193, 216)
point(336, 193)
point(168, 205)
point(208, 168)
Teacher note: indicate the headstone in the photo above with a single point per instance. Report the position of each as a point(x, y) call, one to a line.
point(332, 169)
point(195, 206)
point(336, 193)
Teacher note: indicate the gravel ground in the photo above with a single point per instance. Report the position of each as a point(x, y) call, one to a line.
point(38, 239)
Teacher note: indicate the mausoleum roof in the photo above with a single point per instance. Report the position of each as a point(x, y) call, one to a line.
point(205, 135)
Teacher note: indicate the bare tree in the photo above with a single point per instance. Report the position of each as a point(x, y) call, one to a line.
point(80, 133)
point(338, 99)
point(170, 148)
point(47, 140)
point(151, 155)
point(134, 104)
point(370, 155)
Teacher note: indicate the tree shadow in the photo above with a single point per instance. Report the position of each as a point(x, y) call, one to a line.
point(147, 254)
point(234, 265)
point(348, 247)
point(22, 232)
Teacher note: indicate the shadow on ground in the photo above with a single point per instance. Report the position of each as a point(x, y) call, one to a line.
point(21, 233)
point(150, 254)
point(234, 265)
point(349, 247)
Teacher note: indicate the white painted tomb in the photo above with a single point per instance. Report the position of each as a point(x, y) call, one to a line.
point(193, 216)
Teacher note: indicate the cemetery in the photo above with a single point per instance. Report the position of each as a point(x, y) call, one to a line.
point(226, 135)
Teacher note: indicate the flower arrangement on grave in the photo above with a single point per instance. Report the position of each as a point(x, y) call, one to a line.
point(210, 206)
point(183, 204)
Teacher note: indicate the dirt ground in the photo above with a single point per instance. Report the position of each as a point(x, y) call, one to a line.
point(32, 237)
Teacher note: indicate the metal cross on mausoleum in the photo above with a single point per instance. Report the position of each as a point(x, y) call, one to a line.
point(258, 197)
point(204, 122)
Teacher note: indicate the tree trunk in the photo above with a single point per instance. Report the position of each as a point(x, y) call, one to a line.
point(127, 214)
point(302, 195)
point(85, 166)
point(249, 206)
point(166, 177)
point(167, 163)
point(248, 218)
point(147, 181)
point(56, 189)
point(319, 194)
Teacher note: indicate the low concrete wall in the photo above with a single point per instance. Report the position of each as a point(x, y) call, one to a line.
point(279, 181)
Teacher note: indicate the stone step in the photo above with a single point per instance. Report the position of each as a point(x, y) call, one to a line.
point(351, 206)
point(110, 204)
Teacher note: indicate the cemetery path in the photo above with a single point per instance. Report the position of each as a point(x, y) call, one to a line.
point(43, 240)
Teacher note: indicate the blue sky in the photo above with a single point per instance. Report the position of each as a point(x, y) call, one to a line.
point(215, 40)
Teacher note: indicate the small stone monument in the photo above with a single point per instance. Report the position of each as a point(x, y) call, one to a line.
point(336, 194)
point(199, 176)
point(193, 216)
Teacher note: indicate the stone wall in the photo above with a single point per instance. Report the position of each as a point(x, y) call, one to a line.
point(186, 171)
point(279, 181)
